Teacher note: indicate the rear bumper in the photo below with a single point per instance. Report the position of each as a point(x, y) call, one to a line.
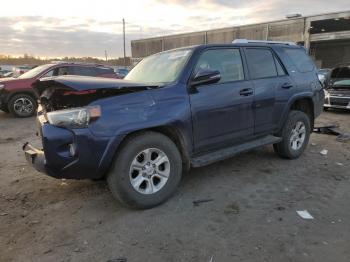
point(71, 154)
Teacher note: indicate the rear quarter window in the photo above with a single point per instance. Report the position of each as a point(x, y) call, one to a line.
point(104, 71)
point(300, 59)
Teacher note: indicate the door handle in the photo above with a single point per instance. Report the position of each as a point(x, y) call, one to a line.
point(286, 85)
point(246, 92)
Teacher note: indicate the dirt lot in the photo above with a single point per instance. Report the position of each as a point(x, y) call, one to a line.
point(252, 216)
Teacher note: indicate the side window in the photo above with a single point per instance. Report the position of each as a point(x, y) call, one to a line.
point(261, 63)
point(62, 71)
point(49, 73)
point(104, 70)
point(300, 59)
point(227, 61)
point(84, 71)
point(280, 70)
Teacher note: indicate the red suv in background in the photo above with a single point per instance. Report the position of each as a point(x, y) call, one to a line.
point(17, 96)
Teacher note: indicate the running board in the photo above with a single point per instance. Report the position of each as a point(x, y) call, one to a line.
point(225, 153)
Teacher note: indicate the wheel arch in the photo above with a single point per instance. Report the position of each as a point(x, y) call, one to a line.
point(173, 134)
point(306, 105)
point(169, 131)
point(302, 102)
point(26, 92)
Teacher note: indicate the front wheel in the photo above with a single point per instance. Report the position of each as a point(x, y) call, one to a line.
point(295, 135)
point(146, 171)
point(22, 105)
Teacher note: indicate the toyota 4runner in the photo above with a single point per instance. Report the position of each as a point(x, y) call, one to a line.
point(175, 110)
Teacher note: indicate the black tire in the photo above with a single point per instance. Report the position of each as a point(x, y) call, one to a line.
point(13, 109)
point(119, 180)
point(284, 148)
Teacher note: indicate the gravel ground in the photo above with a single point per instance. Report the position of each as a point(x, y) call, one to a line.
point(252, 215)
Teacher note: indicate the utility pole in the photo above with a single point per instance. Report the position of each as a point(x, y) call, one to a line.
point(124, 42)
point(106, 55)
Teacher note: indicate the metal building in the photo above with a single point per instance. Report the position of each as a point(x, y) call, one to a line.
point(327, 36)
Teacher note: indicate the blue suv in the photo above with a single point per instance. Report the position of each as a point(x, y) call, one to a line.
point(175, 110)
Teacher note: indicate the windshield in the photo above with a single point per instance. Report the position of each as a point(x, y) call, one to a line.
point(160, 68)
point(34, 72)
point(342, 84)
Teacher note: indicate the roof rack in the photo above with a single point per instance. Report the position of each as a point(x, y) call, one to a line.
point(76, 63)
point(245, 41)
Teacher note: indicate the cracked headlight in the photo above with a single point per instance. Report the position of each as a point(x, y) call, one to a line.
point(74, 118)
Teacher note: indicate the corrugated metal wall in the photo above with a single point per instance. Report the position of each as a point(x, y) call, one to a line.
point(289, 30)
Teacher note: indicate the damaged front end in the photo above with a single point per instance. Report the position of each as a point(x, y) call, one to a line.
point(68, 106)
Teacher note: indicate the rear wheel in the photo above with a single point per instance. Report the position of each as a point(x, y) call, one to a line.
point(295, 135)
point(22, 105)
point(146, 171)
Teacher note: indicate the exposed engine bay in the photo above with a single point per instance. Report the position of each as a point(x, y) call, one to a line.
point(53, 99)
point(63, 93)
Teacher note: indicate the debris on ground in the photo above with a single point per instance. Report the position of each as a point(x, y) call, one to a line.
point(333, 129)
point(339, 164)
point(280, 208)
point(338, 177)
point(3, 214)
point(232, 208)
point(120, 259)
point(343, 137)
point(305, 214)
point(324, 152)
point(200, 201)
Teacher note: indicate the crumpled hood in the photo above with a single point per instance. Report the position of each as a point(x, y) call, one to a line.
point(84, 83)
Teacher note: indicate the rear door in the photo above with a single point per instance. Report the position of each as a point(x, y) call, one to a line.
point(272, 87)
point(222, 112)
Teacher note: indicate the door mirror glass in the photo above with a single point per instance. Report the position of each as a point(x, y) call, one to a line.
point(206, 76)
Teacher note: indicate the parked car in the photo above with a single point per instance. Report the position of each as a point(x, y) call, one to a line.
point(183, 108)
point(18, 97)
point(8, 74)
point(122, 72)
point(20, 70)
point(337, 91)
point(3, 73)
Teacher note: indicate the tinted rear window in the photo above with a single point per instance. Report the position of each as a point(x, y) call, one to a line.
point(261, 63)
point(104, 70)
point(300, 59)
point(84, 71)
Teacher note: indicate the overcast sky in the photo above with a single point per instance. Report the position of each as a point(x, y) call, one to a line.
point(87, 28)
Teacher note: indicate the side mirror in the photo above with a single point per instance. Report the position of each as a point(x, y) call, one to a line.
point(206, 76)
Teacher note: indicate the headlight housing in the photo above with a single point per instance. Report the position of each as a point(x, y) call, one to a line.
point(74, 118)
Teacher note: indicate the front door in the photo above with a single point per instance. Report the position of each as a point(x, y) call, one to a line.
point(222, 112)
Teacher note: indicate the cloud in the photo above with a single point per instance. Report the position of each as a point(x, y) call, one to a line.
point(98, 29)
